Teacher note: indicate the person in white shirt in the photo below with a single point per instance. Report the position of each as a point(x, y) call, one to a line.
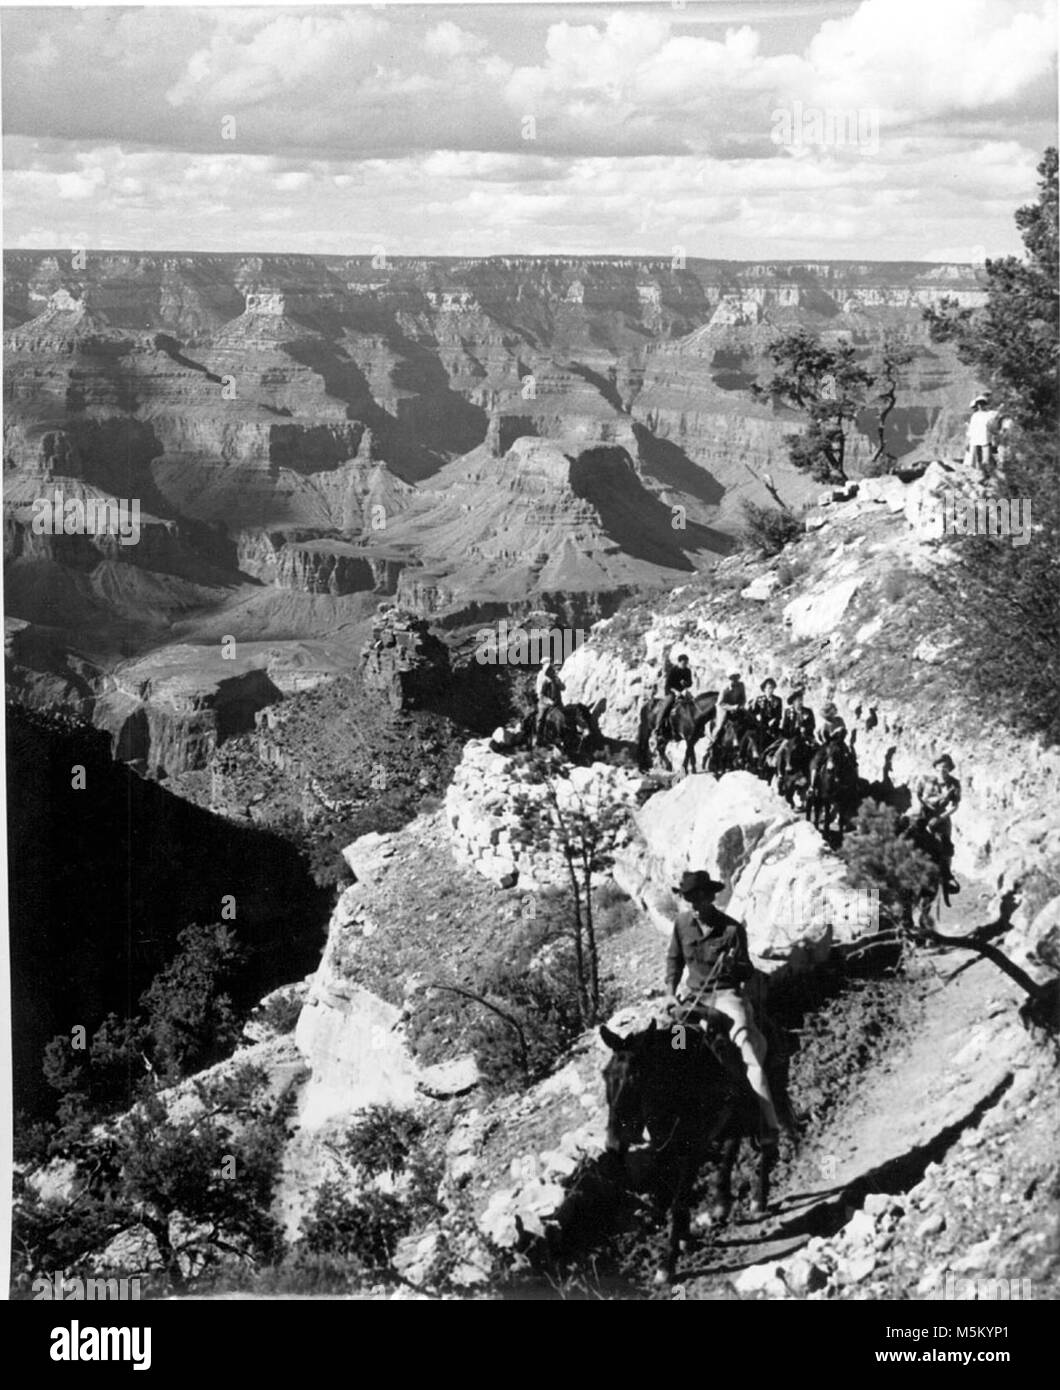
point(981, 425)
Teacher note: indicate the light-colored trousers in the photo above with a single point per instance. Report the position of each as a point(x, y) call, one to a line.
point(748, 1038)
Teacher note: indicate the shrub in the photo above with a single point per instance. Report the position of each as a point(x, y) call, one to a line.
point(383, 1140)
point(615, 910)
point(878, 856)
point(190, 1017)
point(768, 529)
point(281, 1011)
point(364, 1229)
point(522, 1008)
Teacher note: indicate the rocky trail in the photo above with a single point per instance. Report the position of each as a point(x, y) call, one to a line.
point(952, 1052)
point(910, 1083)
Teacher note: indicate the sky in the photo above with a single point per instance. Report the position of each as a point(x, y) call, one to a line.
point(883, 130)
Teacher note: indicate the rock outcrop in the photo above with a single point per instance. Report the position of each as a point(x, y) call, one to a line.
point(506, 820)
point(784, 884)
point(404, 663)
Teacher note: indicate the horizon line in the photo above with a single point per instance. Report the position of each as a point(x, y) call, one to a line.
point(497, 255)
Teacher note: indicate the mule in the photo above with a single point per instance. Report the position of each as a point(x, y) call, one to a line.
point(832, 786)
point(571, 728)
point(691, 1100)
point(935, 890)
point(687, 722)
point(792, 765)
point(750, 755)
point(724, 755)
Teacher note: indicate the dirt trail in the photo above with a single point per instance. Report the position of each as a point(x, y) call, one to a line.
point(940, 1072)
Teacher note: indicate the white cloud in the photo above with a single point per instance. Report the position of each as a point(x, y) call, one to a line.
point(448, 40)
point(652, 127)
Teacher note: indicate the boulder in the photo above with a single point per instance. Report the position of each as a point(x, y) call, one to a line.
point(1039, 950)
point(794, 898)
point(886, 489)
point(762, 588)
point(787, 886)
point(447, 1079)
point(368, 855)
point(356, 1057)
point(818, 613)
point(701, 823)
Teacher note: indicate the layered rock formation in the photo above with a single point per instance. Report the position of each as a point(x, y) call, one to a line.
point(404, 663)
point(552, 524)
point(474, 437)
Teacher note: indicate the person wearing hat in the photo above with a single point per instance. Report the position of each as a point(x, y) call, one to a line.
point(981, 426)
point(732, 698)
point(678, 680)
point(767, 708)
point(938, 794)
point(549, 691)
point(798, 719)
point(833, 724)
point(709, 949)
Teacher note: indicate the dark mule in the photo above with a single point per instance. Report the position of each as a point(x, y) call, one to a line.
point(724, 755)
point(832, 789)
point(793, 768)
point(688, 721)
point(751, 753)
point(935, 889)
point(571, 728)
point(691, 1099)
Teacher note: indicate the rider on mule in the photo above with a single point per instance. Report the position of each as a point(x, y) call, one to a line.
point(732, 698)
point(938, 795)
point(767, 709)
point(833, 725)
point(712, 948)
point(798, 718)
point(549, 691)
point(678, 679)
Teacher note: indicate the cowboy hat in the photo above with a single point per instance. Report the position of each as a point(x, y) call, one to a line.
point(697, 881)
point(734, 675)
point(944, 760)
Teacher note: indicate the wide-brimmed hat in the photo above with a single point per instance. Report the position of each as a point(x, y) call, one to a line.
point(768, 681)
point(734, 675)
point(795, 695)
point(697, 881)
point(944, 760)
point(975, 401)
